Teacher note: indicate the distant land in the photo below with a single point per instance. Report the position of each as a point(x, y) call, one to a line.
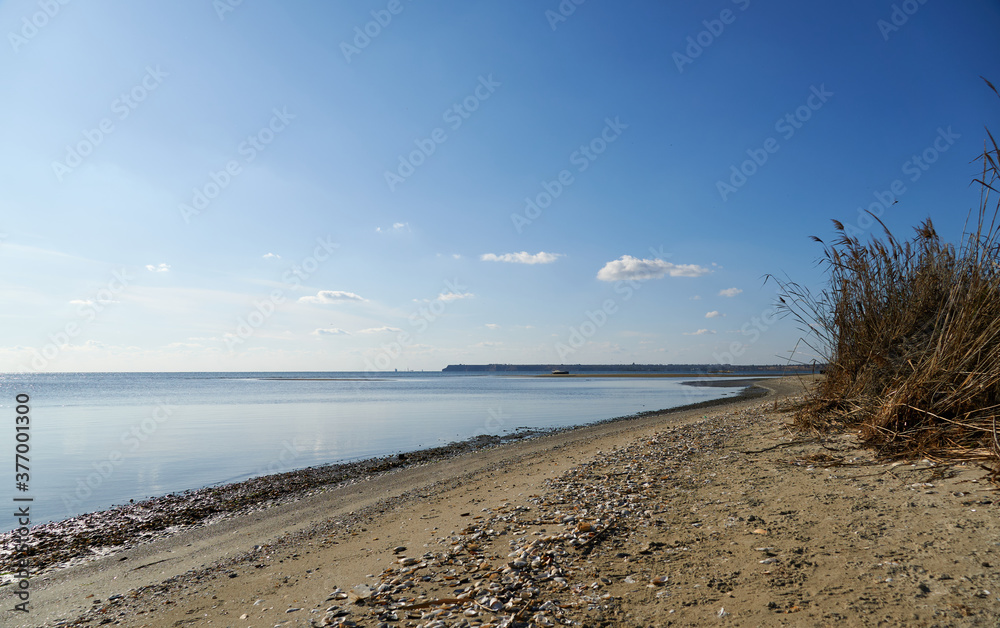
point(741, 369)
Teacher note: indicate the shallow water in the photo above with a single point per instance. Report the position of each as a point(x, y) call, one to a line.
point(99, 439)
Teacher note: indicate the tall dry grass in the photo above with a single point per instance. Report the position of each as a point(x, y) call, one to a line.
point(911, 333)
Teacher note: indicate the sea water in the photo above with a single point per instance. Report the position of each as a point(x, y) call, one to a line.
point(99, 439)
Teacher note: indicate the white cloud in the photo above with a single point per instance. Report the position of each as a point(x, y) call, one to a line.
point(729, 292)
point(271, 256)
point(379, 330)
point(700, 332)
point(331, 296)
point(161, 268)
point(454, 296)
point(628, 267)
point(396, 227)
point(696, 297)
point(487, 344)
point(522, 258)
point(713, 314)
point(331, 331)
point(492, 326)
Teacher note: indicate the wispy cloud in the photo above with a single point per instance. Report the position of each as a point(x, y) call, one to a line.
point(454, 296)
point(379, 330)
point(271, 256)
point(492, 326)
point(696, 297)
point(522, 258)
point(331, 331)
point(700, 332)
point(730, 292)
point(332, 296)
point(159, 268)
point(713, 314)
point(628, 267)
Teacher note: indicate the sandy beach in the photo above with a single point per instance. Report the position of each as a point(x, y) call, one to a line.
point(707, 516)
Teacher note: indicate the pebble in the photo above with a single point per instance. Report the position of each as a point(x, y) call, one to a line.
point(524, 564)
point(92, 535)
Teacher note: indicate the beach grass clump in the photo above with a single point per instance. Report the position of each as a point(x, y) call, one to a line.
point(910, 331)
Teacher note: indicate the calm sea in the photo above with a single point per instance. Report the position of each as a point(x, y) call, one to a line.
point(99, 439)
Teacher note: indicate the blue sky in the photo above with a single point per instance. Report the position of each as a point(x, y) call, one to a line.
point(409, 184)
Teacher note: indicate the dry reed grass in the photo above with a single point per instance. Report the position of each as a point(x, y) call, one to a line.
point(911, 333)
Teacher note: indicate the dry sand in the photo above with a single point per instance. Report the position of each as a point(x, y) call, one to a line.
point(707, 517)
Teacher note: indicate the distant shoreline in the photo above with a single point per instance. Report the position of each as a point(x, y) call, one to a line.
point(674, 375)
point(670, 369)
